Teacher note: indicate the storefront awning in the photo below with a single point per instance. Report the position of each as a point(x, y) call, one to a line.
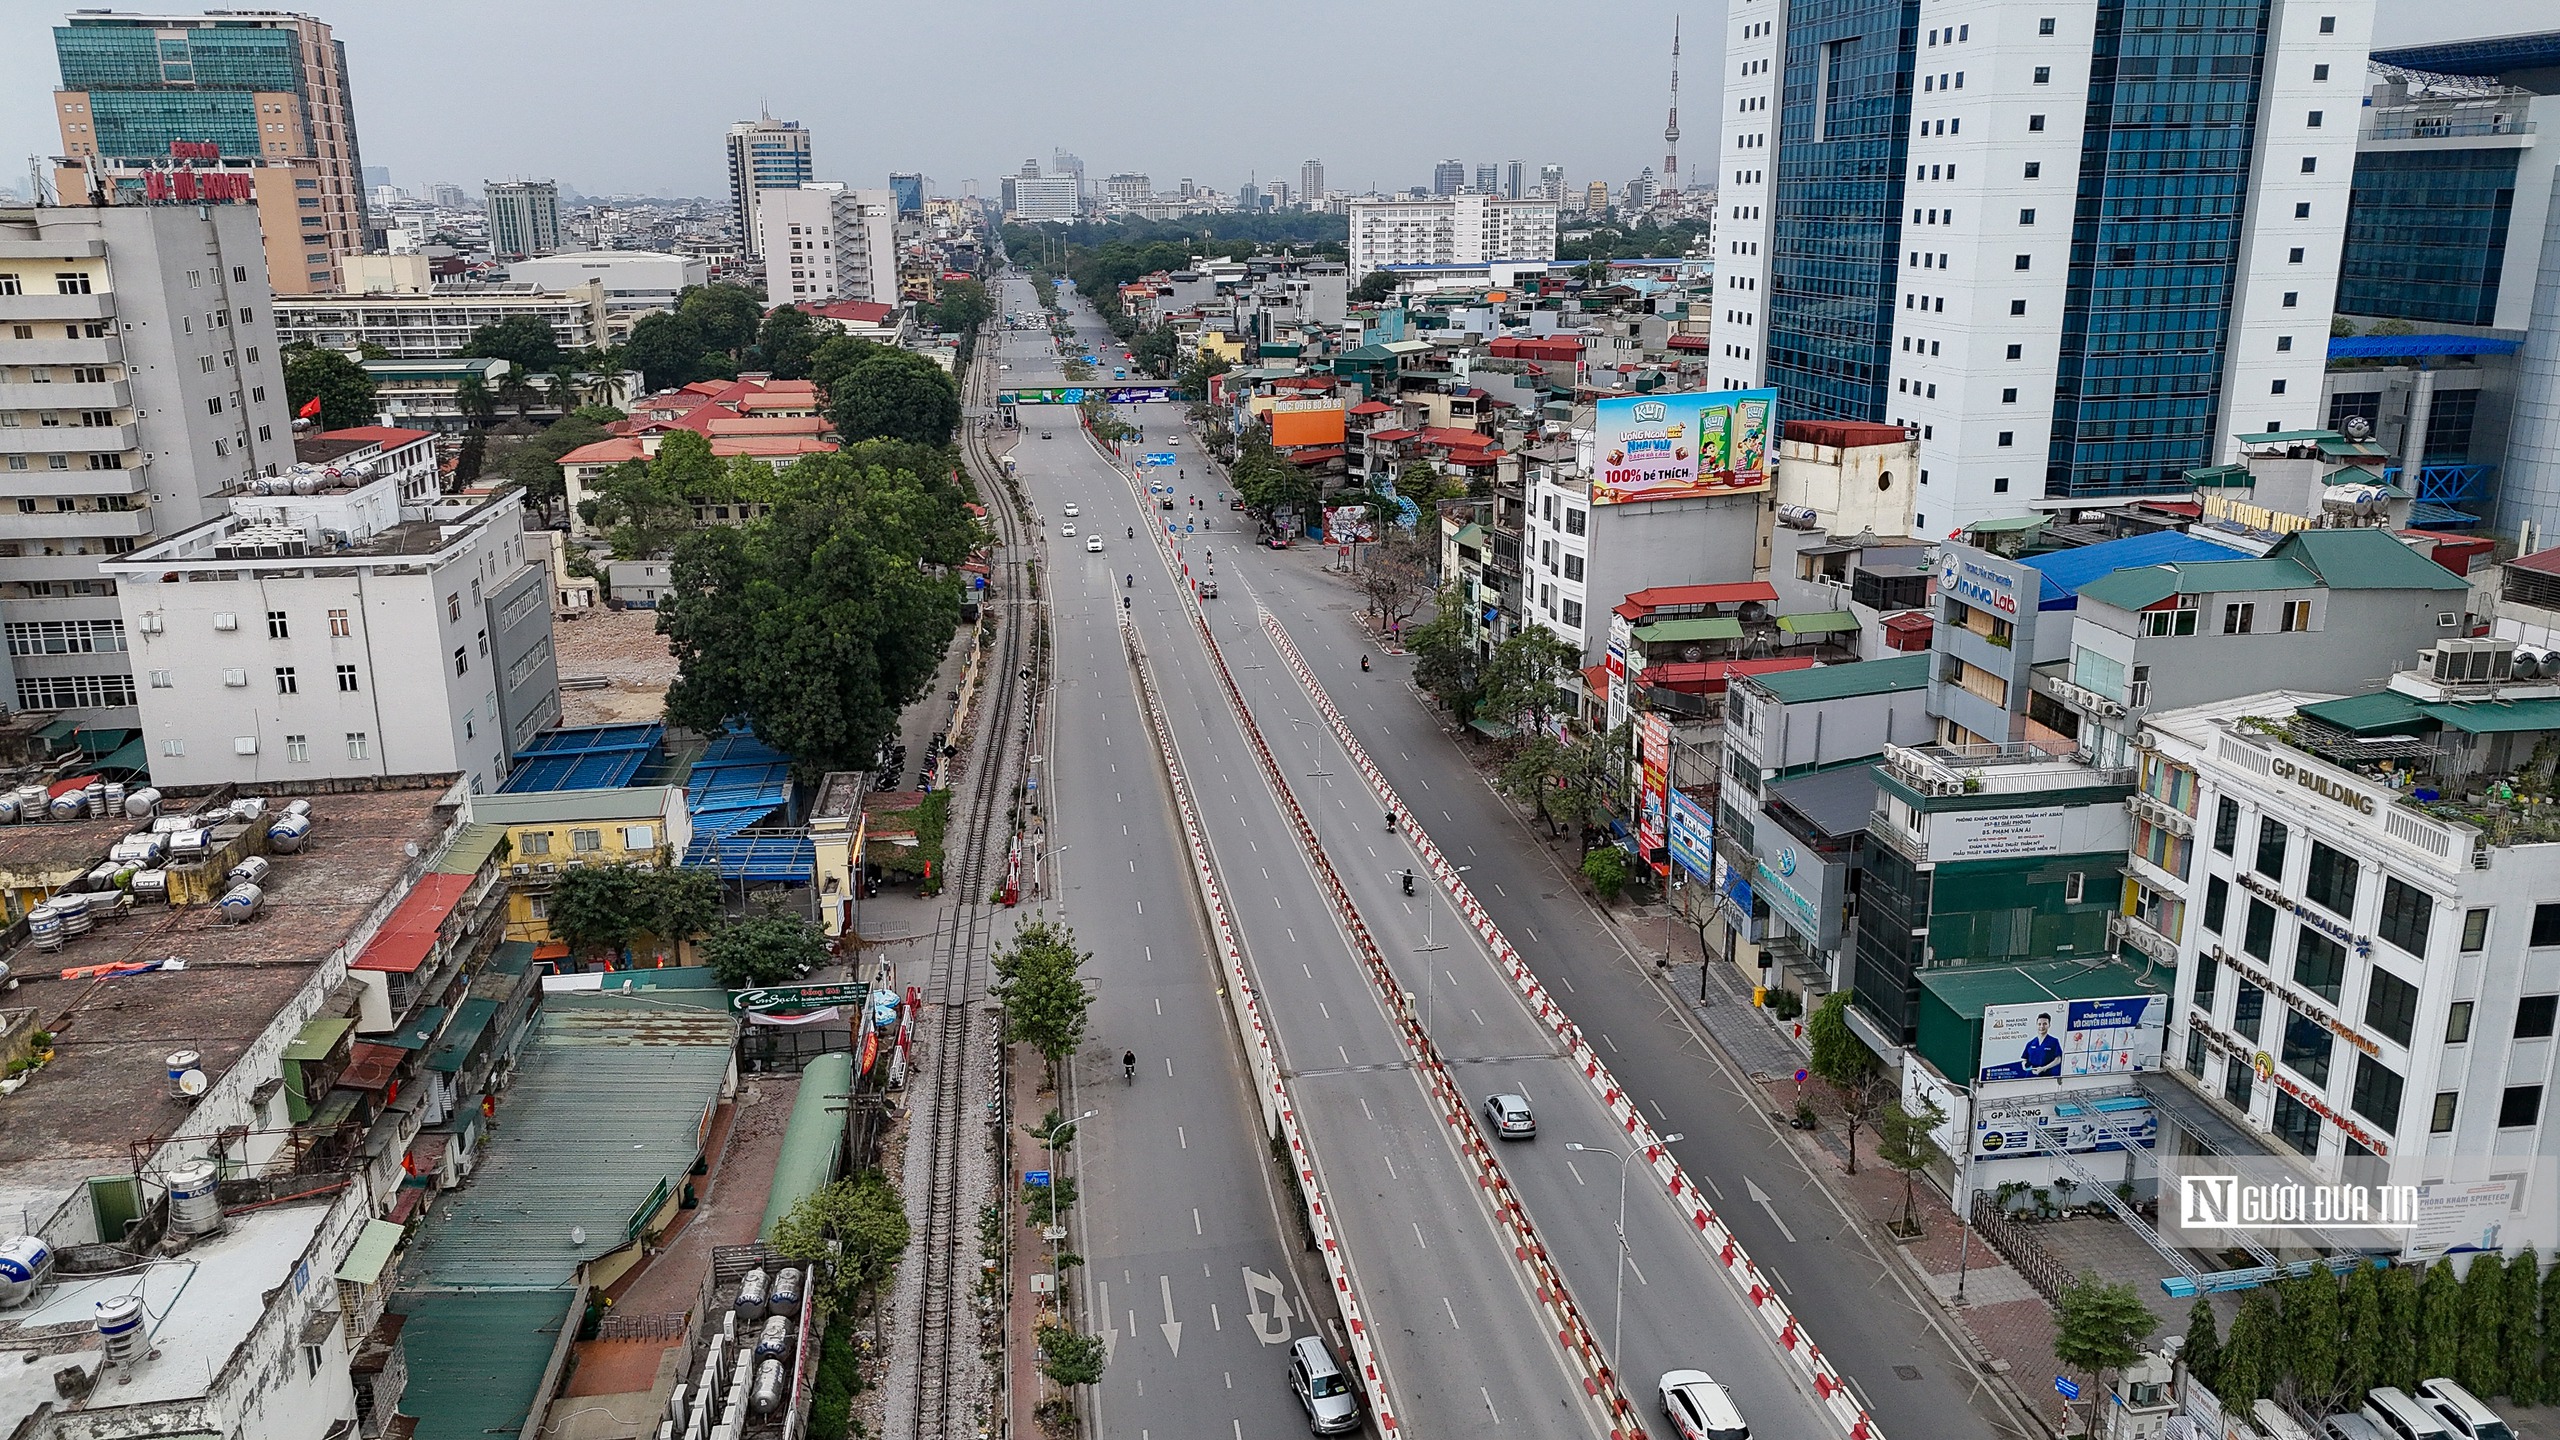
point(2195, 1114)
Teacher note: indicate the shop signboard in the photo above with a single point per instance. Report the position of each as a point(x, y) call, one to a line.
point(2047, 1039)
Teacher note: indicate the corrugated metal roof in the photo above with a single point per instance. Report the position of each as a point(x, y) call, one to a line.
point(2383, 712)
point(1833, 682)
point(562, 807)
point(813, 1142)
point(594, 757)
point(1705, 627)
point(2498, 717)
point(470, 850)
point(317, 1039)
point(373, 1250)
point(654, 1059)
point(476, 1360)
point(1820, 622)
point(409, 936)
point(470, 1021)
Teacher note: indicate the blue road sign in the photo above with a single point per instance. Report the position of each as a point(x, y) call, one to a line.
point(1159, 457)
point(2066, 1387)
point(1038, 1179)
point(981, 579)
point(1186, 529)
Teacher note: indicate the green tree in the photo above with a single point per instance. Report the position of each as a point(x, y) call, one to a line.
point(1526, 680)
point(1375, 286)
point(1839, 1057)
point(2396, 1352)
point(764, 950)
point(1444, 654)
point(2203, 1350)
point(1606, 869)
point(1594, 274)
point(468, 461)
point(2311, 1328)
point(535, 463)
point(1529, 773)
point(1906, 1140)
point(853, 1230)
point(517, 391)
point(2440, 1321)
point(1265, 482)
point(344, 390)
point(1069, 1357)
point(895, 395)
point(2522, 1331)
point(666, 349)
point(473, 397)
point(2249, 1364)
point(560, 389)
point(645, 506)
point(1590, 774)
point(835, 358)
point(525, 341)
point(597, 908)
point(2483, 1369)
point(786, 342)
point(962, 306)
point(2360, 1349)
point(2100, 1327)
point(1046, 1002)
point(724, 317)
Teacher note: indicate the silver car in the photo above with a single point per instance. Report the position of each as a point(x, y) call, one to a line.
point(1699, 1408)
point(1510, 1118)
point(1321, 1386)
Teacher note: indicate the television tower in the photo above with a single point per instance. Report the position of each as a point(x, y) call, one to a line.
point(1671, 130)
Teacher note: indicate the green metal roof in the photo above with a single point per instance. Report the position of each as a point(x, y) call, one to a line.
point(1837, 682)
point(317, 1038)
point(1704, 627)
point(2337, 445)
point(1967, 989)
point(1820, 622)
point(1470, 533)
point(470, 1021)
point(421, 1028)
point(2497, 717)
point(476, 1359)
point(2148, 585)
point(2287, 437)
point(562, 807)
point(58, 728)
point(2367, 559)
point(131, 755)
point(2003, 524)
point(2384, 712)
point(512, 957)
point(2221, 477)
point(813, 1143)
point(470, 850)
point(375, 1244)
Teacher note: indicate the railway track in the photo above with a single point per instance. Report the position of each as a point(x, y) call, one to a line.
point(948, 1127)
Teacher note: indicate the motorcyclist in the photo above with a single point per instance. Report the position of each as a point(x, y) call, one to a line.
point(1391, 820)
point(1364, 664)
point(1133, 532)
point(1129, 1063)
point(1132, 582)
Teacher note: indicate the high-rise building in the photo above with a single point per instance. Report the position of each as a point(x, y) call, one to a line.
point(1488, 179)
point(764, 154)
point(1448, 177)
point(1515, 176)
point(1551, 183)
point(1922, 253)
point(1311, 183)
point(1046, 197)
point(154, 325)
point(1463, 229)
point(1640, 190)
point(909, 190)
point(449, 196)
point(1595, 196)
point(1249, 196)
point(1063, 163)
point(825, 241)
point(1128, 188)
point(524, 217)
point(265, 89)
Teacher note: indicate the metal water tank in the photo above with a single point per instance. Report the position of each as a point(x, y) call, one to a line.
point(1799, 517)
point(786, 1291)
point(195, 1198)
point(44, 928)
point(9, 808)
point(142, 804)
point(252, 871)
point(190, 843)
point(73, 912)
point(179, 1063)
point(114, 795)
point(751, 1292)
point(286, 835)
point(768, 1396)
point(151, 884)
point(141, 849)
point(240, 903)
point(120, 1324)
point(26, 1264)
point(775, 1338)
point(69, 805)
point(299, 807)
point(251, 808)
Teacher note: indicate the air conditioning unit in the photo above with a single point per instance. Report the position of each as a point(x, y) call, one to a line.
point(226, 621)
point(2487, 660)
point(150, 624)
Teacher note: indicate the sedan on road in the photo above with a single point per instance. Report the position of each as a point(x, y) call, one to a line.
point(1701, 1409)
point(1071, 511)
point(1067, 530)
point(1093, 544)
point(1509, 1115)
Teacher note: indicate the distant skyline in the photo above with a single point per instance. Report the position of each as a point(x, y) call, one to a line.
point(635, 96)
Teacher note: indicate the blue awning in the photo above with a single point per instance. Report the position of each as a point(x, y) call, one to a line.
point(2418, 347)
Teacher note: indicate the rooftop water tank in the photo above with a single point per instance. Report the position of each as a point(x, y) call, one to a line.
point(249, 807)
point(44, 928)
point(286, 835)
point(240, 903)
point(26, 1264)
point(73, 912)
point(195, 1198)
point(151, 884)
point(751, 1291)
point(69, 805)
point(120, 1324)
point(9, 808)
point(142, 804)
point(252, 871)
point(786, 1291)
point(768, 1397)
point(1799, 517)
point(775, 1339)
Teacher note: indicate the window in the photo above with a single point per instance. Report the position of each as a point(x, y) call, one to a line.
point(2073, 884)
point(276, 626)
point(453, 606)
point(2293, 256)
point(2035, 168)
point(461, 660)
point(2546, 925)
point(160, 680)
point(2310, 163)
point(2406, 913)
point(2235, 1083)
point(2195, 1054)
point(2328, 24)
point(2248, 1011)
point(2315, 119)
point(2035, 122)
point(338, 624)
point(2519, 1106)
point(297, 748)
point(2319, 964)
point(2000, 484)
point(2534, 1014)
point(586, 841)
point(2319, 72)
point(2457, 1023)
point(2026, 217)
point(2217, 902)
point(2208, 974)
point(2044, 74)
point(2308, 1046)
point(1572, 612)
point(2023, 262)
point(483, 643)
point(2237, 619)
point(2331, 879)
point(2276, 388)
point(287, 682)
point(639, 837)
point(359, 745)
point(537, 842)
point(2284, 344)
point(2258, 932)
point(1572, 566)
point(2291, 299)
point(70, 282)
point(2441, 1122)
point(2226, 823)
point(2391, 1005)
point(1574, 520)
point(2475, 931)
point(2008, 436)
point(347, 679)
point(2272, 836)
point(173, 748)
point(2017, 307)
point(2296, 1126)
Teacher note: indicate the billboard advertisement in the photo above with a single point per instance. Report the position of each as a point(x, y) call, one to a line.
point(1349, 525)
point(1693, 835)
point(2053, 1038)
point(1682, 445)
point(1306, 422)
point(2044, 1124)
point(1653, 785)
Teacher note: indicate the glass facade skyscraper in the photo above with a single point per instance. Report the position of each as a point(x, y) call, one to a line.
point(2427, 235)
point(764, 154)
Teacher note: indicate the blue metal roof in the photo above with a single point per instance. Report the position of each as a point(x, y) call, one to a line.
point(766, 859)
point(2067, 572)
point(595, 757)
point(2417, 347)
point(738, 781)
point(2494, 55)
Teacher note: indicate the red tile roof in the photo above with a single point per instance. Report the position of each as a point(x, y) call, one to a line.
point(1595, 678)
point(622, 448)
point(1393, 435)
point(771, 425)
point(1547, 347)
point(389, 437)
point(1315, 456)
point(1371, 407)
point(2540, 562)
point(1454, 437)
point(607, 452)
point(1665, 597)
point(409, 936)
point(860, 312)
point(1690, 342)
point(1709, 677)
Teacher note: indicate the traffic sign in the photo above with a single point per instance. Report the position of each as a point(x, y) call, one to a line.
point(1036, 1179)
point(1159, 457)
point(2066, 1387)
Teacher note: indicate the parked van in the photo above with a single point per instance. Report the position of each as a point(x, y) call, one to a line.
point(1322, 1387)
point(2352, 1427)
point(2401, 1418)
point(2462, 1412)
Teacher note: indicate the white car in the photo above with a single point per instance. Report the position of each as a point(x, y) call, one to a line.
point(1067, 530)
point(1070, 512)
point(1701, 1409)
point(1093, 544)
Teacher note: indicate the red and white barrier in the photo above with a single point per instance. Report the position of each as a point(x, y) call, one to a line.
point(1831, 1392)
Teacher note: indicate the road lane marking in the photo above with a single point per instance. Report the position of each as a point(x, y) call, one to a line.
point(1568, 984)
point(1364, 1107)
point(1195, 1217)
point(1328, 1014)
point(1391, 1167)
point(1533, 933)
point(1479, 1018)
point(1488, 1404)
point(1168, 1067)
point(1178, 1132)
point(1631, 1264)
point(1417, 1236)
point(1577, 1175)
point(1453, 1313)
point(1159, 1005)
point(1216, 1324)
point(1302, 965)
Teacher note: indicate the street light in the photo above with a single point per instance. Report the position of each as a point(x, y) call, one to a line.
point(1057, 1226)
point(1618, 1313)
point(1430, 968)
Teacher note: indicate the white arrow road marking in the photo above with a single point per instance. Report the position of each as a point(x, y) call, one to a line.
point(1271, 1327)
point(1761, 1198)
point(1110, 1334)
point(1171, 1327)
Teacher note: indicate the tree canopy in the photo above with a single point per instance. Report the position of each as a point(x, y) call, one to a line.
point(525, 341)
point(534, 462)
point(345, 391)
point(1375, 286)
point(959, 307)
point(1045, 1001)
point(606, 907)
point(764, 950)
point(786, 341)
point(854, 1229)
point(893, 394)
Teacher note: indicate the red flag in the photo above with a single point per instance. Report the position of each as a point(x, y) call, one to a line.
point(310, 409)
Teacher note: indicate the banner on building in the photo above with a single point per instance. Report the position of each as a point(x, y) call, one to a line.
point(1306, 422)
point(1349, 525)
point(2046, 1124)
point(1682, 445)
point(1693, 836)
point(2052, 1038)
point(1994, 834)
point(1653, 784)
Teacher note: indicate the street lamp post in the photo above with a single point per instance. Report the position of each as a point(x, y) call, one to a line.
point(1618, 1309)
point(1430, 968)
point(1048, 1141)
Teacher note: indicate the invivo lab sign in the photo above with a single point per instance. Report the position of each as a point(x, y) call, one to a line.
point(1979, 585)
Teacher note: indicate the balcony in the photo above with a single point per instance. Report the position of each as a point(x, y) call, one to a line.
point(2141, 867)
point(2080, 697)
point(110, 395)
point(58, 349)
point(58, 525)
point(58, 309)
point(2134, 931)
point(2160, 813)
point(67, 439)
point(1882, 827)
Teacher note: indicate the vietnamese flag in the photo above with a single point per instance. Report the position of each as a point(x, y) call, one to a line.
point(310, 409)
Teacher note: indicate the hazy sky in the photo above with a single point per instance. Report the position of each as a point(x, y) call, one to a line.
point(634, 95)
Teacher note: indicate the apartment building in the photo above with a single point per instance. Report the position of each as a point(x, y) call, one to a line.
point(139, 381)
point(764, 154)
point(435, 325)
point(1454, 229)
point(524, 217)
point(635, 281)
point(827, 241)
point(342, 635)
point(1919, 258)
point(1044, 197)
point(261, 90)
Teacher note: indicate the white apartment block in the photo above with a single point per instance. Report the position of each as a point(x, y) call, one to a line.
point(1047, 197)
point(138, 381)
point(1964, 316)
point(634, 281)
point(1464, 229)
point(342, 635)
point(825, 241)
point(435, 325)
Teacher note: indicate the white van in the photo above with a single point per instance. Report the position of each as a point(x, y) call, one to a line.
point(2401, 1418)
point(2462, 1412)
point(1321, 1386)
